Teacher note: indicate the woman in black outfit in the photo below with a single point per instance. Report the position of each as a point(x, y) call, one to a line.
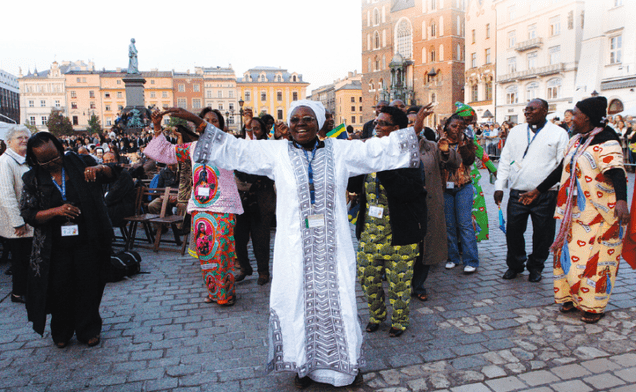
point(62, 199)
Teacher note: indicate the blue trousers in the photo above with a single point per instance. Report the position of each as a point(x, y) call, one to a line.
point(458, 211)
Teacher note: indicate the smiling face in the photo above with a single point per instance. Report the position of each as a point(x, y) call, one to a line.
point(303, 125)
point(256, 128)
point(18, 143)
point(212, 118)
point(580, 121)
point(454, 129)
point(48, 157)
point(535, 112)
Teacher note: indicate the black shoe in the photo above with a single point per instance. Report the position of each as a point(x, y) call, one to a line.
point(302, 383)
point(18, 298)
point(263, 280)
point(394, 332)
point(372, 327)
point(359, 380)
point(241, 276)
point(9, 271)
point(510, 274)
point(535, 276)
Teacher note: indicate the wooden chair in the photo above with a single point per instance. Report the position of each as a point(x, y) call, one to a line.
point(141, 217)
point(170, 221)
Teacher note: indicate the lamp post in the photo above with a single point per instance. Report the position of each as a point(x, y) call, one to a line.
point(241, 103)
point(230, 114)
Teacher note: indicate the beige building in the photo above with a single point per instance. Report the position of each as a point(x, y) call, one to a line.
point(481, 53)
point(348, 97)
point(538, 52)
point(41, 92)
point(158, 90)
point(113, 95)
point(221, 92)
point(83, 97)
point(271, 90)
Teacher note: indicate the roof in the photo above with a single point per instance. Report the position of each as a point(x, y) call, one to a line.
point(270, 73)
point(354, 85)
point(400, 5)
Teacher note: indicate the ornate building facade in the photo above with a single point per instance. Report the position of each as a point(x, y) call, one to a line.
point(413, 50)
point(9, 98)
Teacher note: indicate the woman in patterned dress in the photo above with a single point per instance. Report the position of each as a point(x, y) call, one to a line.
point(213, 202)
point(593, 207)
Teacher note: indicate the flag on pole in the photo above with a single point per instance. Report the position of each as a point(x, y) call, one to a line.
point(339, 132)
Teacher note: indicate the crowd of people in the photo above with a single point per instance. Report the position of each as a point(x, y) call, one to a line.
point(412, 191)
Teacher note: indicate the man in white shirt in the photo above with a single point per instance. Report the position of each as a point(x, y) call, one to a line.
point(532, 151)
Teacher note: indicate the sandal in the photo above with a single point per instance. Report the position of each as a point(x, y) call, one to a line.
point(231, 301)
point(61, 344)
point(394, 332)
point(94, 341)
point(567, 307)
point(422, 297)
point(592, 318)
point(208, 300)
point(302, 383)
point(372, 327)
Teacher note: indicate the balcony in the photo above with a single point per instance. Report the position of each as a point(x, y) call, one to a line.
point(529, 44)
point(532, 73)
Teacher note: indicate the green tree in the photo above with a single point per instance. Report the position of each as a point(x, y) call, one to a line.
point(93, 125)
point(174, 121)
point(58, 124)
point(31, 127)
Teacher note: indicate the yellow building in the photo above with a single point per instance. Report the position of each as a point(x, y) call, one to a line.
point(348, 96)
point(83, 97)
point(158, 90)
point(113, 94)
point(270, 90)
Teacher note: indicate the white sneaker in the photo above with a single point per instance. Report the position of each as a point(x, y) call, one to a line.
point(450, 265)
point(469, 269)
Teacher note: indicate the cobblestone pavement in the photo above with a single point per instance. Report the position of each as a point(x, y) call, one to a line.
point(475, 333)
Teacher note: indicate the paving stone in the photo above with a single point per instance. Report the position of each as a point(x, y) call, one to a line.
point(418, 385)
point(472, 388)
point(468, 362)
point(627, 360)
point(506, 384)
point(570, 386)
point(628, 388)
point(600, 365)
point(539, 378)
point(628, 374)
point(570, 371)
point(604, 381)
point(391, 377)
point(540, 389)
point(493, 371)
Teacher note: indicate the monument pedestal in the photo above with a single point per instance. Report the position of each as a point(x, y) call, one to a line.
point(135, 112)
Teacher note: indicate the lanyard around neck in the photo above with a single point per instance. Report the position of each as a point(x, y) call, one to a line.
point(62, 189)
point(534, 137)
point(310, 172)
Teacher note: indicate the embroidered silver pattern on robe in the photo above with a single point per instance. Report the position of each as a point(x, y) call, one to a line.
point(211, 135)
point(325, 335)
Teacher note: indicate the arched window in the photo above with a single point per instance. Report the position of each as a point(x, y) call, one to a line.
point(554, 88)
point(423, 29)
point(512, 95)
point(433, 59)
point(433, 97)
point(381, 85)
point(404, 38)
point(248, 96)
point(433, 29)
point(377, 63)
point(615, 106)
point(532, 91)
point(441, 53)
point(376, 40)
point(371, 86)
point(376, 17)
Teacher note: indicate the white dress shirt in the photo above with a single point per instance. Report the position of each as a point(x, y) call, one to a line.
point(544, 154)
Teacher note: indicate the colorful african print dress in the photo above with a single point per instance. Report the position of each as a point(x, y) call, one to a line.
point(479, 213)
point(585, 268)
point(213, 203)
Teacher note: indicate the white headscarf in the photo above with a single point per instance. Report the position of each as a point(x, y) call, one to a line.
point(316, 106)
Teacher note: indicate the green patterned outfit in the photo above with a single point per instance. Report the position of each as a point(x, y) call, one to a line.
point(376, 255)
point(480, 215)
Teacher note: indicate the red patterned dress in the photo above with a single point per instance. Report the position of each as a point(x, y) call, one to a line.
point(213, 203)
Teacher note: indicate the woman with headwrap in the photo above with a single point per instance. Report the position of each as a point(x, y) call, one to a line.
point(313, 329)
point(479, 213)
point(592, 203)
point(212, 204)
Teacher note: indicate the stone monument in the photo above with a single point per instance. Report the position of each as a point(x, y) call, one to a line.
point(134, 117)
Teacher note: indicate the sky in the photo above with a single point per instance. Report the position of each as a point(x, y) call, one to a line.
point(319, 39)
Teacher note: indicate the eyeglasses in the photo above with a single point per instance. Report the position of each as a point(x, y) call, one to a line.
point(306, 119)
point(530, 109)
point(382, 123)
point(57, 158)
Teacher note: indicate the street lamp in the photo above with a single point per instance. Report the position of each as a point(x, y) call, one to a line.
point(241, 102)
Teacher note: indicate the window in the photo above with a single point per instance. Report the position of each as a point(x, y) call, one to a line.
point(164, 94)
point(353, 99)
point(360, 100)
point(360, 108)
point(248, 96)
point(353, 108)
point(353, 119)
point(433, 5)
point(433, 29)
point(512, 38)
point(73, 105)
point(432, 55)
point(92, 105)
point(231, 93)
point(181, 88)
point(279, 96)
point(554, 88)
point(57, 103)
point(79, 80)
point(73, 94)
point(489, 90)
point(182, 103)
point(153, 94)
point(618, 3)
point(474, 93)
point(106, 95)
point(555, 26)
point(219, 94)
point(532, 31)
point(109, 121)
point(474, 35)
point(441, 53)
point(120, 107)
point(532, 60)
point(279, 114)
point(32, 120)
point(263, 96)
point(31, 104)
point(512, 11)
point(555, 54)
point(487, 30)
point(511, 95)
point(376, 40)
point(532, 91)
point(196, 88)
point(221, 106)
point(294, 79)
point(570, 20)
point(473, 60)
point(107, 108)
point(487, 56)
point(616, 43)
point(119, 94)
point(152, 81)
point(295, 96)
point(91, 94)
point(404, 39)
point(615, 106)
point(118, 81)
point(75, 120)
point(196, 103)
